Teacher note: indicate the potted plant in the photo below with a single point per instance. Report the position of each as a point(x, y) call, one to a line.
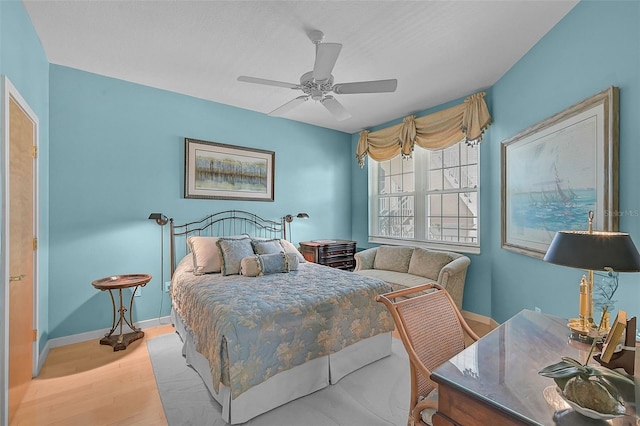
point(591, 390)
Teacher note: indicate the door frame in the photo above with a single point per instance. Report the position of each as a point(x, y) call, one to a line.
point(10, 91)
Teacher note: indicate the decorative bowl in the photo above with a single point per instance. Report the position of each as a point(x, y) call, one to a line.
point(587, 411)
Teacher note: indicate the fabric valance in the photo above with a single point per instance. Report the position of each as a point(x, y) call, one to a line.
point(439, 130)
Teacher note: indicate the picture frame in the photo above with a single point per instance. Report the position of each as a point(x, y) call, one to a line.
point(226, 172)
point(556, 171)
point(613, 336)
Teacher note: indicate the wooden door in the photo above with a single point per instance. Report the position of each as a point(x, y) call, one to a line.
point(22, 142)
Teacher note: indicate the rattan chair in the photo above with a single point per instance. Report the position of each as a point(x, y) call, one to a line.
point(432, 330)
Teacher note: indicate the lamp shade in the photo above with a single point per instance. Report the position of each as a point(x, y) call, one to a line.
point(159, 218)
point(595, 251)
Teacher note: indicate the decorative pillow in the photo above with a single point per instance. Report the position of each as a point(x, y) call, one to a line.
point(274, 263)
point(393, 258)
point(428, 263)
point(232, 252)
point(266, 246)
point(261, 264)
point(290, 248)
point(292, 259)
point(251, 266)
point(205, 253)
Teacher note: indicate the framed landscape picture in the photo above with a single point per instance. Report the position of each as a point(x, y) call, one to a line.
point(226, 172)
point(555, 172)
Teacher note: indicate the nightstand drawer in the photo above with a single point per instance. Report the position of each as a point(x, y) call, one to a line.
point(329, 252)
point(341, 264)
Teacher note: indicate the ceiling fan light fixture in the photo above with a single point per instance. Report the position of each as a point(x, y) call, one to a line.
point(317, 95)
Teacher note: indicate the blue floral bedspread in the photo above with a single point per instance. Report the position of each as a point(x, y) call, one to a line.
point(251, 328)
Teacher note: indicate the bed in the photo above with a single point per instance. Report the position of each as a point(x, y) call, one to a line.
point(274, 327)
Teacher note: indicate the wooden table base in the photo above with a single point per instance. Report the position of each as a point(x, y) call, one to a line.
point(120, 342)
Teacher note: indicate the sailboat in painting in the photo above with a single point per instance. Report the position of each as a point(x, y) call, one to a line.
point(553, 204)
point(553, 193)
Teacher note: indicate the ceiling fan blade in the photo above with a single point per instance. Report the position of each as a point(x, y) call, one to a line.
point(326, 57)
point(335, 108)
point(268, 82)
point(289, 105)
point(376, 86)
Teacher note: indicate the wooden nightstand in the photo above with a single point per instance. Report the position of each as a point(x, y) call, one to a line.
point(333, 253)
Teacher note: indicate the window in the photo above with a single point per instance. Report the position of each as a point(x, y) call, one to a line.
point(428, 200)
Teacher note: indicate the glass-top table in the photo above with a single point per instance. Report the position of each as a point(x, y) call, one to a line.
point(496, 380)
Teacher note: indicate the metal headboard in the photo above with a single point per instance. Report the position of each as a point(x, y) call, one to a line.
point(221, 224)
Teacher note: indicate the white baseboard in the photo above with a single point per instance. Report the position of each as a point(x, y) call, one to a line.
point(480, 318)
point(91, 335)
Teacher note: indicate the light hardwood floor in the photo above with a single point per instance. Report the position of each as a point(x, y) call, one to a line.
point(88, 384)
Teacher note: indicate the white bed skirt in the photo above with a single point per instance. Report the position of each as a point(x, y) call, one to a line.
point(287, 385)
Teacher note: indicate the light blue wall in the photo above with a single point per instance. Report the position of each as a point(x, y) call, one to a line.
point(595, 46)
point(117, 155)
point(23, 61)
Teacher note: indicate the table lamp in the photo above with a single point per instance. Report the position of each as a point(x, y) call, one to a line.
point(592, 250)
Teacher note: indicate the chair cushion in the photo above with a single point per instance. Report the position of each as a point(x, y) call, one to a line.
point(391, 258)
point(428, 263)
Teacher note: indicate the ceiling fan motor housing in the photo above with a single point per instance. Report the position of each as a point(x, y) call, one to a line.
point(316, 36)
point(313, 88)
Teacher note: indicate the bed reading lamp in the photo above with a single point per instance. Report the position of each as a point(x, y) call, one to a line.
point(591, 250)
point(159, 218)
point(289, 218)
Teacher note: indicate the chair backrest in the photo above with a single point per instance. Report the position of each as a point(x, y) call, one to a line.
point(432, 330)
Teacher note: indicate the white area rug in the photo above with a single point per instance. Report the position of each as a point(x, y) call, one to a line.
point(377, 394)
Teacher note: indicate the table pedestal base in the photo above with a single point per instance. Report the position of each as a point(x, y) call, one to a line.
point(121, 341)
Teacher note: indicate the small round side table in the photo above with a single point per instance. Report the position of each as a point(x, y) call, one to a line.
point(118, 282)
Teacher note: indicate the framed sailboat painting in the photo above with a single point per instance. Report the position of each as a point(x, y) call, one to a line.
point(556, 171)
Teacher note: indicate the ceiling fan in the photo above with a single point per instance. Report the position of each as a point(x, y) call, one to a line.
point(317, 84)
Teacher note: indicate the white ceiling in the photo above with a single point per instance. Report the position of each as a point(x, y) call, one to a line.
point(437, 50)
